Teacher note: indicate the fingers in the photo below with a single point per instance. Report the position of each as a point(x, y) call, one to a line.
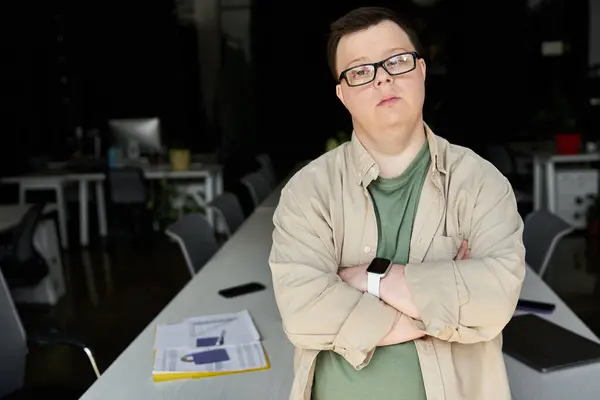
point(467, 254)
point(462, 250)
point(464, 253)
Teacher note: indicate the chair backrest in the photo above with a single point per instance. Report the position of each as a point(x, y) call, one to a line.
point(266, 169)
point(20, 262)
point(13, 346)
point(268, 175)
point(229, 209)
point(257, 186)
point(541, 234)
point(23, 238)
point(196, 238)
point(126, 185)
point(264, 159)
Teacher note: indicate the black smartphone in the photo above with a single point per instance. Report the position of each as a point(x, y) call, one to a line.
point(240, 290)
point(535, 306)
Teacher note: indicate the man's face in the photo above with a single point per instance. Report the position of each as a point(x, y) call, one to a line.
point(389, 100)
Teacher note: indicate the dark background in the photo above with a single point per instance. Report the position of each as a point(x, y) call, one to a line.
point(78, 63)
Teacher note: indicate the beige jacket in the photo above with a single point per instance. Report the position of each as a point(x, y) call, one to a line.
point(325, 221)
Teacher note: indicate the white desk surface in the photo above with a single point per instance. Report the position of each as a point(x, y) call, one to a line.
point(195, 171)
point(567, 158)
point(244, 258)
point(162, 171)
point(580, 383)
point(12, 214)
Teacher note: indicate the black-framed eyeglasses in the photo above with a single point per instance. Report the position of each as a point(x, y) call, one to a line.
point(397, 64)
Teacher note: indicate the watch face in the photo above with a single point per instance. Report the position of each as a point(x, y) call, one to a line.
point(379, 266)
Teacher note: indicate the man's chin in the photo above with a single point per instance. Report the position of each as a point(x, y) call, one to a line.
point(392, 117)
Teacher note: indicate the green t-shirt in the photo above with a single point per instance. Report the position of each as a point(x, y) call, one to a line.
point(394, 371)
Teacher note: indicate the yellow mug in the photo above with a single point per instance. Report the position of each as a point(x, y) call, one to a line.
point(180, 159)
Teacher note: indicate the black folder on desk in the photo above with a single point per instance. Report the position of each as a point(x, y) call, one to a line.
point(545, 346)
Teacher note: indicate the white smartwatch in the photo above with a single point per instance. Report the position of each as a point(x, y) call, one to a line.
point(376, 271)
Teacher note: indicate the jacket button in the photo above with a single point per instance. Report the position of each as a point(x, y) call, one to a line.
point(367, 249)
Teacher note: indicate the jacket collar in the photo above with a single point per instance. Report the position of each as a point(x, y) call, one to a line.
point(366, 169)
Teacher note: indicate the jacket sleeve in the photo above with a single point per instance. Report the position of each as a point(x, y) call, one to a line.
point(472, 300)
point(320, 311)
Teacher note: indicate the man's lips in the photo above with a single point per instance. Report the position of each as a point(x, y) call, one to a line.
point(388, 100)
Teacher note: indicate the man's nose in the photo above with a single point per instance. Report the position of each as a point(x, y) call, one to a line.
point(382, 76)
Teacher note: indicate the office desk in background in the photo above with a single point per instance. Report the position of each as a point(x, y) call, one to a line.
point(244, 258)
point(56, 180)
point(547, 179)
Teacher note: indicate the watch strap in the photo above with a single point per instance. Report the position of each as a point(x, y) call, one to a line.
point(373, 282)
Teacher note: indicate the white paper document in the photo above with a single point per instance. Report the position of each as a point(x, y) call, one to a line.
point(208, 330)
point(208, 345)
point(216, 359)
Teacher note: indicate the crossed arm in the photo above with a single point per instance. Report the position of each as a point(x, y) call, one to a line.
point(465, 300)
point(395, 292)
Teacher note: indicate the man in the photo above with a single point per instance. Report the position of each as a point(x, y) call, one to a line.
point(397, 258)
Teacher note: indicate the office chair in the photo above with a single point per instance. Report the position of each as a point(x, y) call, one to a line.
point(16, 344)
point(266, 169)
point(128, 195)
point(229, 210)
point(20, 262)
point(258, 186)
point(541, 234)
point(196, 238)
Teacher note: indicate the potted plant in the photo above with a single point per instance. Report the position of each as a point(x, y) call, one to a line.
point(334, 141)
point(170, 203)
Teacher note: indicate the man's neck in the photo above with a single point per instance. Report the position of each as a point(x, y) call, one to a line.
point(395, 155)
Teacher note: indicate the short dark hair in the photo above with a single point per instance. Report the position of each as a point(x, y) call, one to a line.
point(358, 20)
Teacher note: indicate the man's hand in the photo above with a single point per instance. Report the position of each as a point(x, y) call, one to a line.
point(403, 330)
point(394, 290)
point(355, 277)
point(464, 252)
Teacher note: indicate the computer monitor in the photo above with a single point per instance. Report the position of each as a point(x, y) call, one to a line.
point(137, 135)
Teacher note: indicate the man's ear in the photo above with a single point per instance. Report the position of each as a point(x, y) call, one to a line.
point(423, 67)
point(339, 94)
